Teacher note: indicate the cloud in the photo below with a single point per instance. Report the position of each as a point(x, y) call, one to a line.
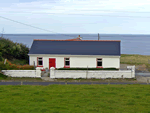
point(78, 6)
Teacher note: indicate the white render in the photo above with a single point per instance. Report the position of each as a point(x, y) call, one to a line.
point(81, 61)
point(92, 74)
point(23, 73)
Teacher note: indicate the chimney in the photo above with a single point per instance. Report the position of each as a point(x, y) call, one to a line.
point(79, 37)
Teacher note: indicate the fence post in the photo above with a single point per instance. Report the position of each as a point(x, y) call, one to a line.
point(34, 64)
point(66, 82)
point(133, 71)
point(5, 61)
point(21, 83)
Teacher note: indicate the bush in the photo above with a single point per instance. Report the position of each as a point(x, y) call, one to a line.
point(1, 56)
point(87, 69)
point(2, 76)
point(10, 66)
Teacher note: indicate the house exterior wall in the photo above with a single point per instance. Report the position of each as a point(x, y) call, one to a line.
point(78, 61)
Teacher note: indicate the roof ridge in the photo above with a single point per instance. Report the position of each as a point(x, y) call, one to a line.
point(75, 40)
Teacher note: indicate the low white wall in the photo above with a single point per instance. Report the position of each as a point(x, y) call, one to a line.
point(91, 74)
point(22, 73)
point(68, 74)
point(110, 74)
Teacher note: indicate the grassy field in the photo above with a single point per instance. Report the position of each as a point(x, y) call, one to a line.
point(75, 99)
point(135, 59)
point(142, 60)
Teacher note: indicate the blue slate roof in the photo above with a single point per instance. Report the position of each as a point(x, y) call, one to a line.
point(75, 47)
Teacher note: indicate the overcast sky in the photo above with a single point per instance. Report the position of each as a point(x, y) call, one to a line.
point(76, 16)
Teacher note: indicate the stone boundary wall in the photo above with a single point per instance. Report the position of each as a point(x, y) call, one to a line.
point(23, 73)
point(130, 73)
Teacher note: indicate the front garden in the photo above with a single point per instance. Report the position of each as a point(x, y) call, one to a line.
point(9, 66)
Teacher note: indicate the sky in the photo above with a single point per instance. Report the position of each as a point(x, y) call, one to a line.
point(75, 16)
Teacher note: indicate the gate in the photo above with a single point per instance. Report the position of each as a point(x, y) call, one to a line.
point(45, 73)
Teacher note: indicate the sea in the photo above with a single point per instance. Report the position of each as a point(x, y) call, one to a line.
point(130, 44)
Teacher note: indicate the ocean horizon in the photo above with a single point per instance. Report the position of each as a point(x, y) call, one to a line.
point(130, 43)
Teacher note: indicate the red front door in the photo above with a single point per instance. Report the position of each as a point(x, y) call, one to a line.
point(52, 62)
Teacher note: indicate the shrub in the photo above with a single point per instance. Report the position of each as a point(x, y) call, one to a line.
point(1, 56)
point(2, 76)
point(10, 66)
point(87, 69)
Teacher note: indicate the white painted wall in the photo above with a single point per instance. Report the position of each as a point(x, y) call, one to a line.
point(22, 73)
point(111, 62)
point(32, 59)
point(78, 61)
point(92, 74)
point(83, 62)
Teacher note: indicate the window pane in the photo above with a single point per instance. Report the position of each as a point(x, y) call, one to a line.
point(40, 63)
point(66, 58)
point(67, 63)
point(99, 63)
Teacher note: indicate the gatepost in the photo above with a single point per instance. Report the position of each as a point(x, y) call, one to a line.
point(132, 68)
point(52, 72)
point(38, 72)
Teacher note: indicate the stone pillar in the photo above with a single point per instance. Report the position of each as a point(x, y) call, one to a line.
point(133, 71)
point(132, 68)
point(38, 72)
point(52, 72)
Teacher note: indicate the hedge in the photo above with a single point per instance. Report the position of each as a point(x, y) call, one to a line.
point(10, 66)
point(86, 69)
point(2, 76)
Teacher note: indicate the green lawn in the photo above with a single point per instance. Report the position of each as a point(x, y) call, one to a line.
point(135, 59)
point(75, 99)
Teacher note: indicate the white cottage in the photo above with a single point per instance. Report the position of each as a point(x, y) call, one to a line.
point(75, 53)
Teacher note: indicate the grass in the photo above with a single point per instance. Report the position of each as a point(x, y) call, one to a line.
point(75, 99)
point(134, 59)
point(2, 77)
point(97, 80)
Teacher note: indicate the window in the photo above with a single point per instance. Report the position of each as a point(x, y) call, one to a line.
point(67, 62)
point(99, 62)
point(39, 61)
